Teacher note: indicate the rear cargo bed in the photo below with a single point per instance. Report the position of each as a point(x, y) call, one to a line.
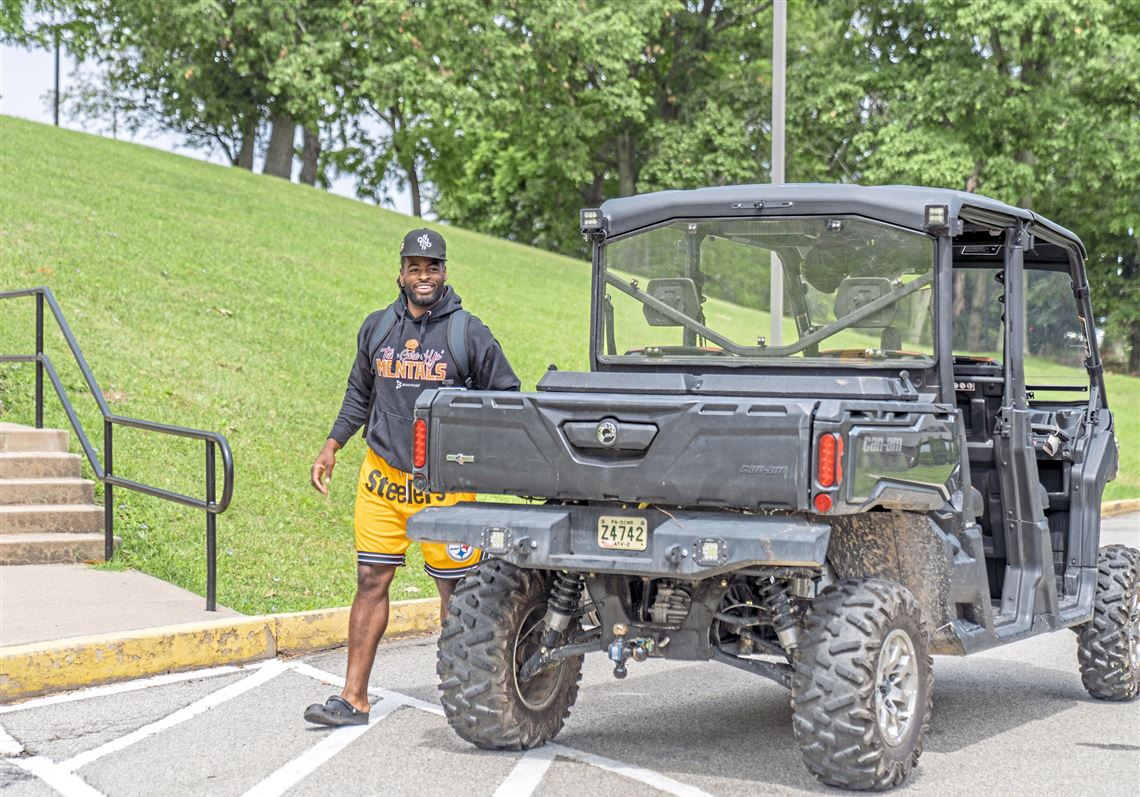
point(702, 450)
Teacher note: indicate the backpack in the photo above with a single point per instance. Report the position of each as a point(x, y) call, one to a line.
point(456, 341)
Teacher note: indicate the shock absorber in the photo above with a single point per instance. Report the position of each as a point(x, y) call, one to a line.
point(565, 597)
point(775, 596)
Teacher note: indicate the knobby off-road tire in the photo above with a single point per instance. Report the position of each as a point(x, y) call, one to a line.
point(1108, 646)
point(493, 626)
point(862, 691)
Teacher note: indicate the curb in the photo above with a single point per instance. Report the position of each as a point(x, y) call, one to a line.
point(43, 667)
point(1123, 507)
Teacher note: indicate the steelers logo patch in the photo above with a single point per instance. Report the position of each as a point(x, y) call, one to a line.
point(460, 552)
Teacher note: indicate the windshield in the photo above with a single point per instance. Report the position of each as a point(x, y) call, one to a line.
point(854, 291)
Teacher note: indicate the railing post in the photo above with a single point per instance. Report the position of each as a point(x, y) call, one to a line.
point(39, 360)
point(108, 494)
point(211, 532)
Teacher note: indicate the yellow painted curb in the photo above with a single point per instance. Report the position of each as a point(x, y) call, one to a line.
point(316, 630)
point(43, 667)
point(1114, 508)
point(414, 618)
point(27, 670)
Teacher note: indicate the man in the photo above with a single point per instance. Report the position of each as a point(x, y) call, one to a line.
point(401, 351)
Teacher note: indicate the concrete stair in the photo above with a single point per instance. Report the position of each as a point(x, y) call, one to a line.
point(47, 511)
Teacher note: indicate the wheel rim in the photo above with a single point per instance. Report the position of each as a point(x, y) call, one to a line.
point(1132, 630)
point(896, 686)
point(538, 692)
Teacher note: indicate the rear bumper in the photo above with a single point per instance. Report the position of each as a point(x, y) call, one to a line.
point(692, 544)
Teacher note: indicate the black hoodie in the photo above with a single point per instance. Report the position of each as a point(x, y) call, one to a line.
point(411, 358)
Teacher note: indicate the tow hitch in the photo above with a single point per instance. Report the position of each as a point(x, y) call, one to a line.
point(638, 648)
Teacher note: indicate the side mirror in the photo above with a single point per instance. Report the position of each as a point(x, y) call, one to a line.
point(680, 293)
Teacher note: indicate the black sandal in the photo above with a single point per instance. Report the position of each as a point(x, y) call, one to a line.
point(336, 712)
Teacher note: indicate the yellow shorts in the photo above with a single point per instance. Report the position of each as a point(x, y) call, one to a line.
point(384, 502)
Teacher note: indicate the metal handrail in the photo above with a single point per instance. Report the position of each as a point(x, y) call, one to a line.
point(104, 471)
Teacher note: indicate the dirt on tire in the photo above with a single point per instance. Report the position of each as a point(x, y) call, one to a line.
point(1106, 644)
point(834, 689)
point(489, 633)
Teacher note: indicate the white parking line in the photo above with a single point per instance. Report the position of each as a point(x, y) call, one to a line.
point(8, 745)
point(271, 670)
point(646, 776)
point(386, 694)
point(294, 771)
point(66, 783)
point(127, 686)
point(527, 774)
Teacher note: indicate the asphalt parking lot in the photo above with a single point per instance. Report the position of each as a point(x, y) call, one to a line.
point(1010, 721)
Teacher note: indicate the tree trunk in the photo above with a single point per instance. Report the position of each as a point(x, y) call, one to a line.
point(414, 187)
point(979, 316)
point(310, 154)
point(627, 167)
point(248, 143)
point(592, 195)
point(279, 157)
point(1134, 349)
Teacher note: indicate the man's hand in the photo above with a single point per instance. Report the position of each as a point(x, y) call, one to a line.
point(321, 473)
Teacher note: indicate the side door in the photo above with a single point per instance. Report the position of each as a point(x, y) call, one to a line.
point(1071, 425)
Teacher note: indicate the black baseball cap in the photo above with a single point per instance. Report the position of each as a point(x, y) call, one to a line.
point(424, 243)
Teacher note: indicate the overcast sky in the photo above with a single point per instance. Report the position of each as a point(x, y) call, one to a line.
point(26, 78)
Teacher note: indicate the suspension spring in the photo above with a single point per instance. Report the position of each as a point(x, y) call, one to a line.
point(565, 597)
point(778, 597)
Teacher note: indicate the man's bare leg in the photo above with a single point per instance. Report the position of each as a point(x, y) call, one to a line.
point(446, 586)
point(367, 622)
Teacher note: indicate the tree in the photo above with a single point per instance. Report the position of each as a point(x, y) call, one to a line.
point(1049, 117)
point(559, 105)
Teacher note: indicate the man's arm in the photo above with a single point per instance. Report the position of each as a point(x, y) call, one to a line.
point(321, 472)
point(492, 371)
point(353, 413)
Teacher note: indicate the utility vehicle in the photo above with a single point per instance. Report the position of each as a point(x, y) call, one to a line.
point(827, 431)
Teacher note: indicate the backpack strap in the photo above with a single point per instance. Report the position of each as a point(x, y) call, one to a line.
point(457, 345)
point(387, 321)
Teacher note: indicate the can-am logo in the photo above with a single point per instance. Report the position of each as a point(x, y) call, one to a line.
point(765, 470)
point(882, 445)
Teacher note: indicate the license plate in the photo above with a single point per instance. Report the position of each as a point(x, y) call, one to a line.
point(622, 533)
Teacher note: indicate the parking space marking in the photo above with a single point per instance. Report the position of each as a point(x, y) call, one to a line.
point(294, 771)
point(266, 673)
point(527, 774)
point(8, 745)
point(63, 781)
point(647, 776)
point(523, 779)
point(128, 686)
point(335, 680)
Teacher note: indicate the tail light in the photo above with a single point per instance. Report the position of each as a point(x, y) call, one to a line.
point(419, 443)
point(829, 460)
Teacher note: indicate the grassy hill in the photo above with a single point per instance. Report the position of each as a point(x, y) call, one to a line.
point(211, 297)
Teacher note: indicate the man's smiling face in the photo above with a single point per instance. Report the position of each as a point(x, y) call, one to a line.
point(422, 280)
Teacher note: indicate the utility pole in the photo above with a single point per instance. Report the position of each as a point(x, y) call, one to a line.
point(55, 94)
point(779, 64)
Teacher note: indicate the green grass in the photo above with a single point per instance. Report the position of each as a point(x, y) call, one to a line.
point(211, 297)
